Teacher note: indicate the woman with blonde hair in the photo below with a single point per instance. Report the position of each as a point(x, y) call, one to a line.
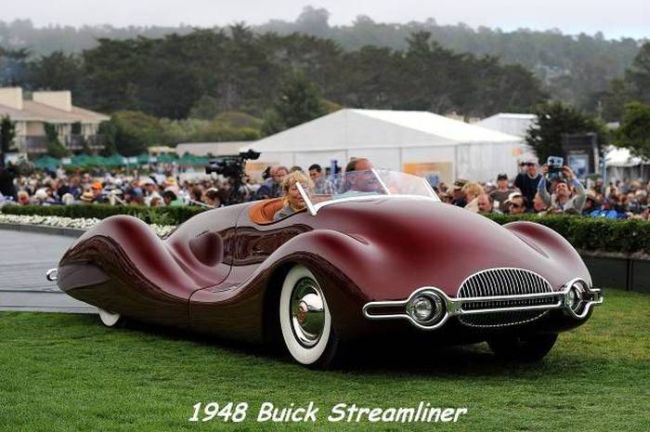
point(472, 191)
point(292, 199)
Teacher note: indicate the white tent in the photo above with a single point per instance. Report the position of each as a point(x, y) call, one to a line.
point(419, 142)
point(513, 124)
point(622, 164)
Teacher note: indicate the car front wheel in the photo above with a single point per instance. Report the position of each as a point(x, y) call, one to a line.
point(527, 348)
point(305, 319)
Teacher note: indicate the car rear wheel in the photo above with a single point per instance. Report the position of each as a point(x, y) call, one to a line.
point(527, 348)
point(305, 319)
point(110, 319)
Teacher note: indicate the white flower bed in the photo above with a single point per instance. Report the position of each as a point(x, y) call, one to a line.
point(64, 222)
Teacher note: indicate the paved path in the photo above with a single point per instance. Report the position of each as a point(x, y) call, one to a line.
point(24, 259)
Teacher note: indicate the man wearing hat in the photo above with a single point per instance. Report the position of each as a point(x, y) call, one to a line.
point(501, 193)
point(516, 203)
point(458, 197)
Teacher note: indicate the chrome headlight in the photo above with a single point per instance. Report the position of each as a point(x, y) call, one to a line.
point(426, 308)
point(576, 297)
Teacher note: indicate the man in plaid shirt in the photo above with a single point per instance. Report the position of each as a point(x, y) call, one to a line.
point(322, 186)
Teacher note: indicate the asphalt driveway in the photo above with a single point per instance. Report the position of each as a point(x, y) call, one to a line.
point(24, 259)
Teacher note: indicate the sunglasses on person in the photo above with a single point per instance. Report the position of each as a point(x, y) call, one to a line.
point(516, 205)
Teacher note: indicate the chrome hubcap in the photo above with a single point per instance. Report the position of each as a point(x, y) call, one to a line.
point(307, 312)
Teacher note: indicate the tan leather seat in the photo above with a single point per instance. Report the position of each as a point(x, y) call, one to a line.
point(262, 212)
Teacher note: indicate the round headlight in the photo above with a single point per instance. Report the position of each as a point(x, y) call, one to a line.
point(575, 297)
point(572, 298)
point(423, 308)
point(426, 308)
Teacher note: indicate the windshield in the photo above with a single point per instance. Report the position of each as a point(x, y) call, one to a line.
point(362, 185)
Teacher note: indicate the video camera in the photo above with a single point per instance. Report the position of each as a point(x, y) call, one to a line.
point(555, 164)
point(232, 167)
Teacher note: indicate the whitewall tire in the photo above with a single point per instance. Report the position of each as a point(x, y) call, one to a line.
point(305, 319)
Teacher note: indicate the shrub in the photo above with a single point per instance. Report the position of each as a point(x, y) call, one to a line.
point(157, 215)
point(585, 233)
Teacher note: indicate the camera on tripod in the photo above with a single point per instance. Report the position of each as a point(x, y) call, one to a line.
point(233, 168)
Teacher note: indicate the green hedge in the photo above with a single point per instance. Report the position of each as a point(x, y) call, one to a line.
point(594, 234)
point(585, 233)
point(156, 215)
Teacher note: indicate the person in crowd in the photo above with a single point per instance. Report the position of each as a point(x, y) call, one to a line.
point(156, 201)
point(445, 197)
point(563, 200)
point(7, 175)
point(272, 187)
point(292, 199)
point(295, 168)
point(528, 181)
point(97, 189)
point(516, 204)
point(539, 206)
point(74, 186)
point(23, 197)
point(87, 197)
point(171, 199)
point(322, 186)
point(212, 198)
point(458, 196)
point(67, 199)
point(501, 193)
point(486, 205)
point(472, 191)
point(592, 203)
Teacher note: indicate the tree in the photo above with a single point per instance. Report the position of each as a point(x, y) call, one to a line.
point(54, 146)
point(639, 74)
point(313, 21)
point(206, 108)
point(299, 102)
point(135, 132)
point(7, 134)
point(553, 120)
point(57, 71)
point(13, 67)
point(634, 132)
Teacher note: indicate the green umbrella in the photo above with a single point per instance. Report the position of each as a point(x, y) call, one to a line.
point(167, 158)
point(115, 160)
point(187, 160)
point(144, 158)
point(47, 162)
point(80, 160)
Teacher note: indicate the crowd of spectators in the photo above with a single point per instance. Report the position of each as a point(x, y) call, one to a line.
point(533, 190)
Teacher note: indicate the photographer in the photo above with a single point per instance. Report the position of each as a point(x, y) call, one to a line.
point(563, 199)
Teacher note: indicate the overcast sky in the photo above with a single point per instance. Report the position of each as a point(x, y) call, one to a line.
point(614, 18)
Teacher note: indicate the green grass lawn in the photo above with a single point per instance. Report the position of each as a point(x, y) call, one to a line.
point(67, 372)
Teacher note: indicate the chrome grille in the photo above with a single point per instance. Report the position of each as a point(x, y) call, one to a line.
point(503, 282)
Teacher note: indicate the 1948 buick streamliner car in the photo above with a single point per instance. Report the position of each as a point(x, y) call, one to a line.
point(384, 257)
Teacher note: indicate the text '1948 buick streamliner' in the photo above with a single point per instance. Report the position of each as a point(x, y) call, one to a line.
point(382, 257)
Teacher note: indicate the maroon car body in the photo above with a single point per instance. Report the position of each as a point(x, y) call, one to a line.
point(223, 272)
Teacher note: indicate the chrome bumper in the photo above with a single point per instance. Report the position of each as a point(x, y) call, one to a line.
point(399, 309)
